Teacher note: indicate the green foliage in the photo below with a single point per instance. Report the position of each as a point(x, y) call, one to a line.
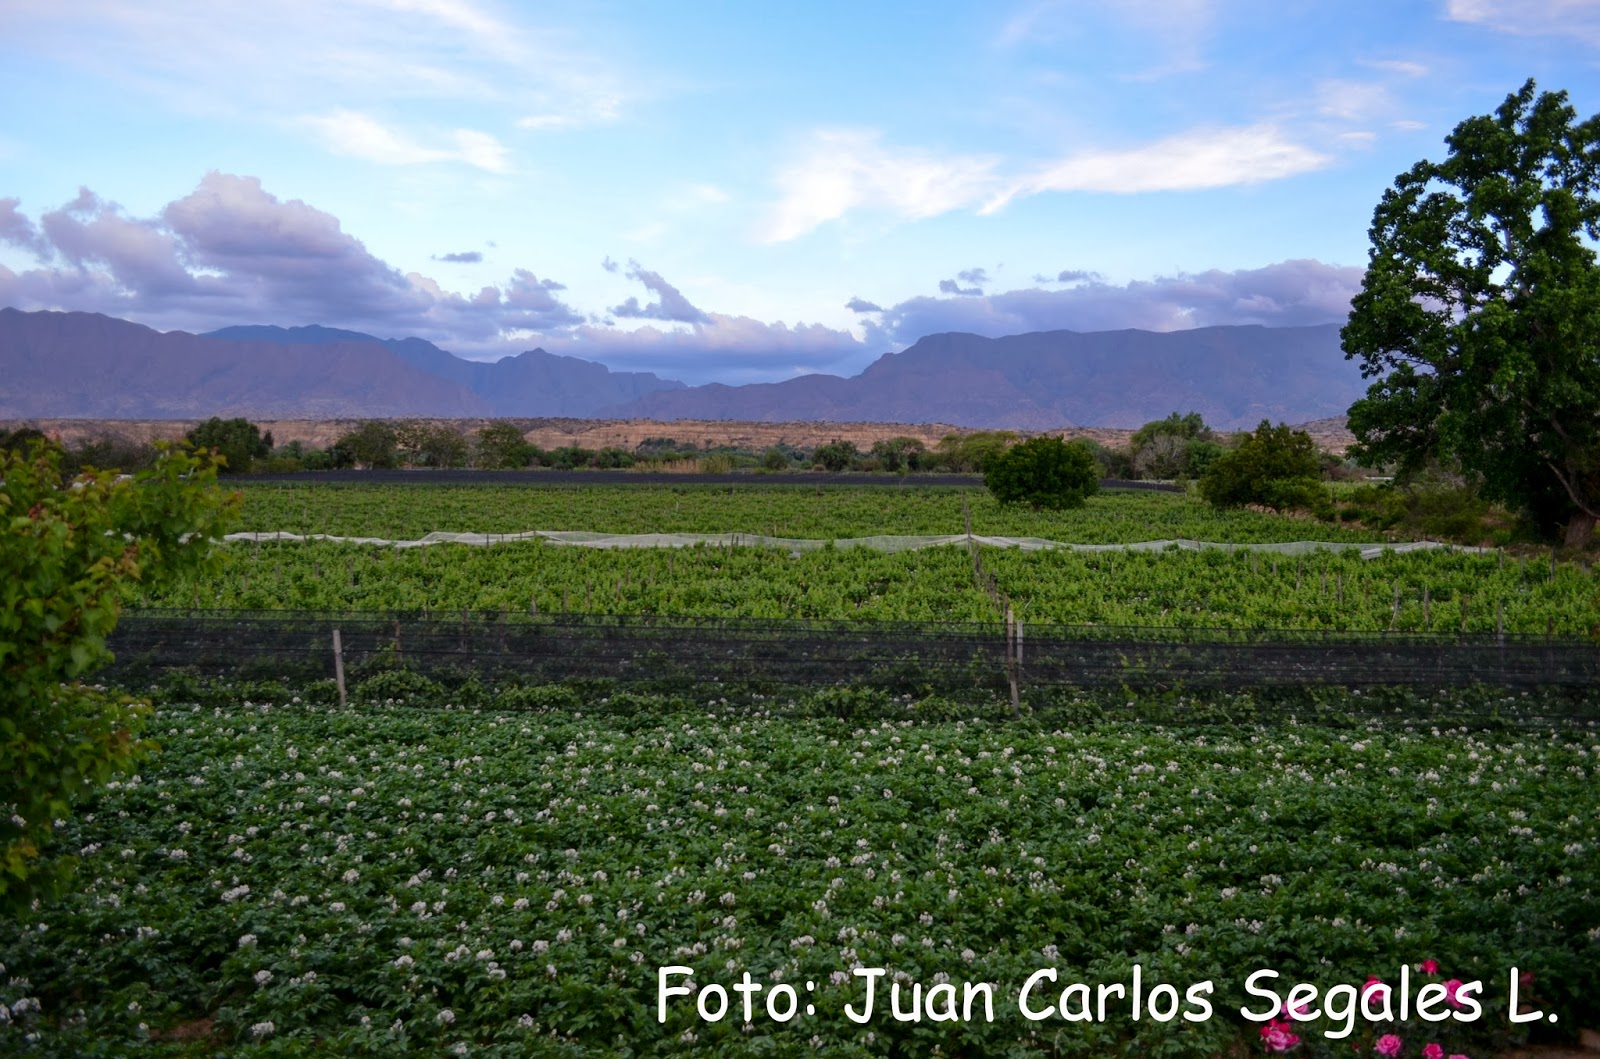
point(1084, 846)
point(501, 446)
point(1044, 473)
point(836, 455)
point(1478, 312)
point(899, 455)
point(1189, 427)
point(570, 457)
point(373, 444)
point(973, 452)
point(1275, 467)
point(67, 550)
point(431, 445)
point(238, 441)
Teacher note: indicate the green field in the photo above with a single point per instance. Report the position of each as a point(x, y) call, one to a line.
point(503, 871)
point(781, 511)
point(348, 878)
point(1439, 591)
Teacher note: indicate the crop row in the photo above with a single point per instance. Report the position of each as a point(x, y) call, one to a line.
point(291, 880)
point(1437, 590)
point(781, 511)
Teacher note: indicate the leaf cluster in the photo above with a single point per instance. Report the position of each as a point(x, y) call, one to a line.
point(68, 548)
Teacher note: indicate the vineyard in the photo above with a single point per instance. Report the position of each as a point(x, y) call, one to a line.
point(821, 512)
point(482, 839)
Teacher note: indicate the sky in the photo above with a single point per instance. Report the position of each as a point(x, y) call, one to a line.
point(725, 191)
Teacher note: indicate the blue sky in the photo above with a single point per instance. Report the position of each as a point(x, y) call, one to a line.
point(732, 191)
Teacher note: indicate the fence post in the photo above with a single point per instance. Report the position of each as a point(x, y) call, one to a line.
point(1011, 664)
point(1500, 622)
point(338, 666)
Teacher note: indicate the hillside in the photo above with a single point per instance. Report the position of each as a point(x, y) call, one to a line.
point(1233, 376)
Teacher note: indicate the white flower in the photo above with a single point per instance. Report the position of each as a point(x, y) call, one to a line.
point(404, 961)
point(445, 1016)
point(351, 876)
point(263, 977)
point(262, 1029)
point(246, 941)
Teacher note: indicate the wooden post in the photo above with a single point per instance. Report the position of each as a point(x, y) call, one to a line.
point(1299, 574)
point(1011, 664)
point(533, 605)
point(1339, 581)
point(1500, 622)
point(338, 666)
point(1466, 601)
point(397, 640)
point(1427, 615)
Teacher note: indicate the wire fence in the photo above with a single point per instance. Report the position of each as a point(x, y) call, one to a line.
point(661, 651)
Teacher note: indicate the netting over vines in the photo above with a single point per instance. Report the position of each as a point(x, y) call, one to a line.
point(896, 543)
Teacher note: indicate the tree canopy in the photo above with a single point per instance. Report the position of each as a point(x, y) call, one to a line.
point(239, 441)
point(1044, 472)
point(1275, 466)
point(1479, 316)
point(67, 550)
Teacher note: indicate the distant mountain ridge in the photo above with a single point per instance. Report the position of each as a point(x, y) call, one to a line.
point(85, 365)
point(1234, 376)
point(534, 383)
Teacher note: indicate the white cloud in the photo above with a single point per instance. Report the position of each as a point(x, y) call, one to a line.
point(358, 135)
point(1194, 160)
point(1397, 66)
point(1531, 18)
point(844, 170)
point(248, 61)
point(1353, 100)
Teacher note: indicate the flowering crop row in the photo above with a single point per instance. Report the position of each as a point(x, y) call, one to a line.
point(290, 880)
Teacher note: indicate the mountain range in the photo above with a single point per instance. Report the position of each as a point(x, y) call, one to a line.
point(86, 365)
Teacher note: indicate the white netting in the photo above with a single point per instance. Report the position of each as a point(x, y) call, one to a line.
point(584, 539)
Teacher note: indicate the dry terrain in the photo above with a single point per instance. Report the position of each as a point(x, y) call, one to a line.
point(1330, 434)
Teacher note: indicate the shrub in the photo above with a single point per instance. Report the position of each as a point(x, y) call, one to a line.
point(65, 560)
point(1275, 467)
point(1044, 472)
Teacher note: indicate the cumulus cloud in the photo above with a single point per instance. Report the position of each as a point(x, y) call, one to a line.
point(230, 252)
point(670, 304)
point(18, 230)
point(861, 305)
point(1284, 294)
point(950, 286)
point(464, 257)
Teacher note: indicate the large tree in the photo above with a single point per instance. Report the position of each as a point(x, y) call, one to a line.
point(1479, 316)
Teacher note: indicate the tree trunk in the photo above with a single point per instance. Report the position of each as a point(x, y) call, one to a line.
point(1580, 530)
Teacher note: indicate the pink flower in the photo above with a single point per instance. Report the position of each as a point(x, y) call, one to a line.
point(1429, 967)
point(1450, 989)
point(1373, 983)
point(1300, 1012)
point(1433, 1051)
point(1458, 1055)
point(1388, 1045)
point(1278, 1037)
